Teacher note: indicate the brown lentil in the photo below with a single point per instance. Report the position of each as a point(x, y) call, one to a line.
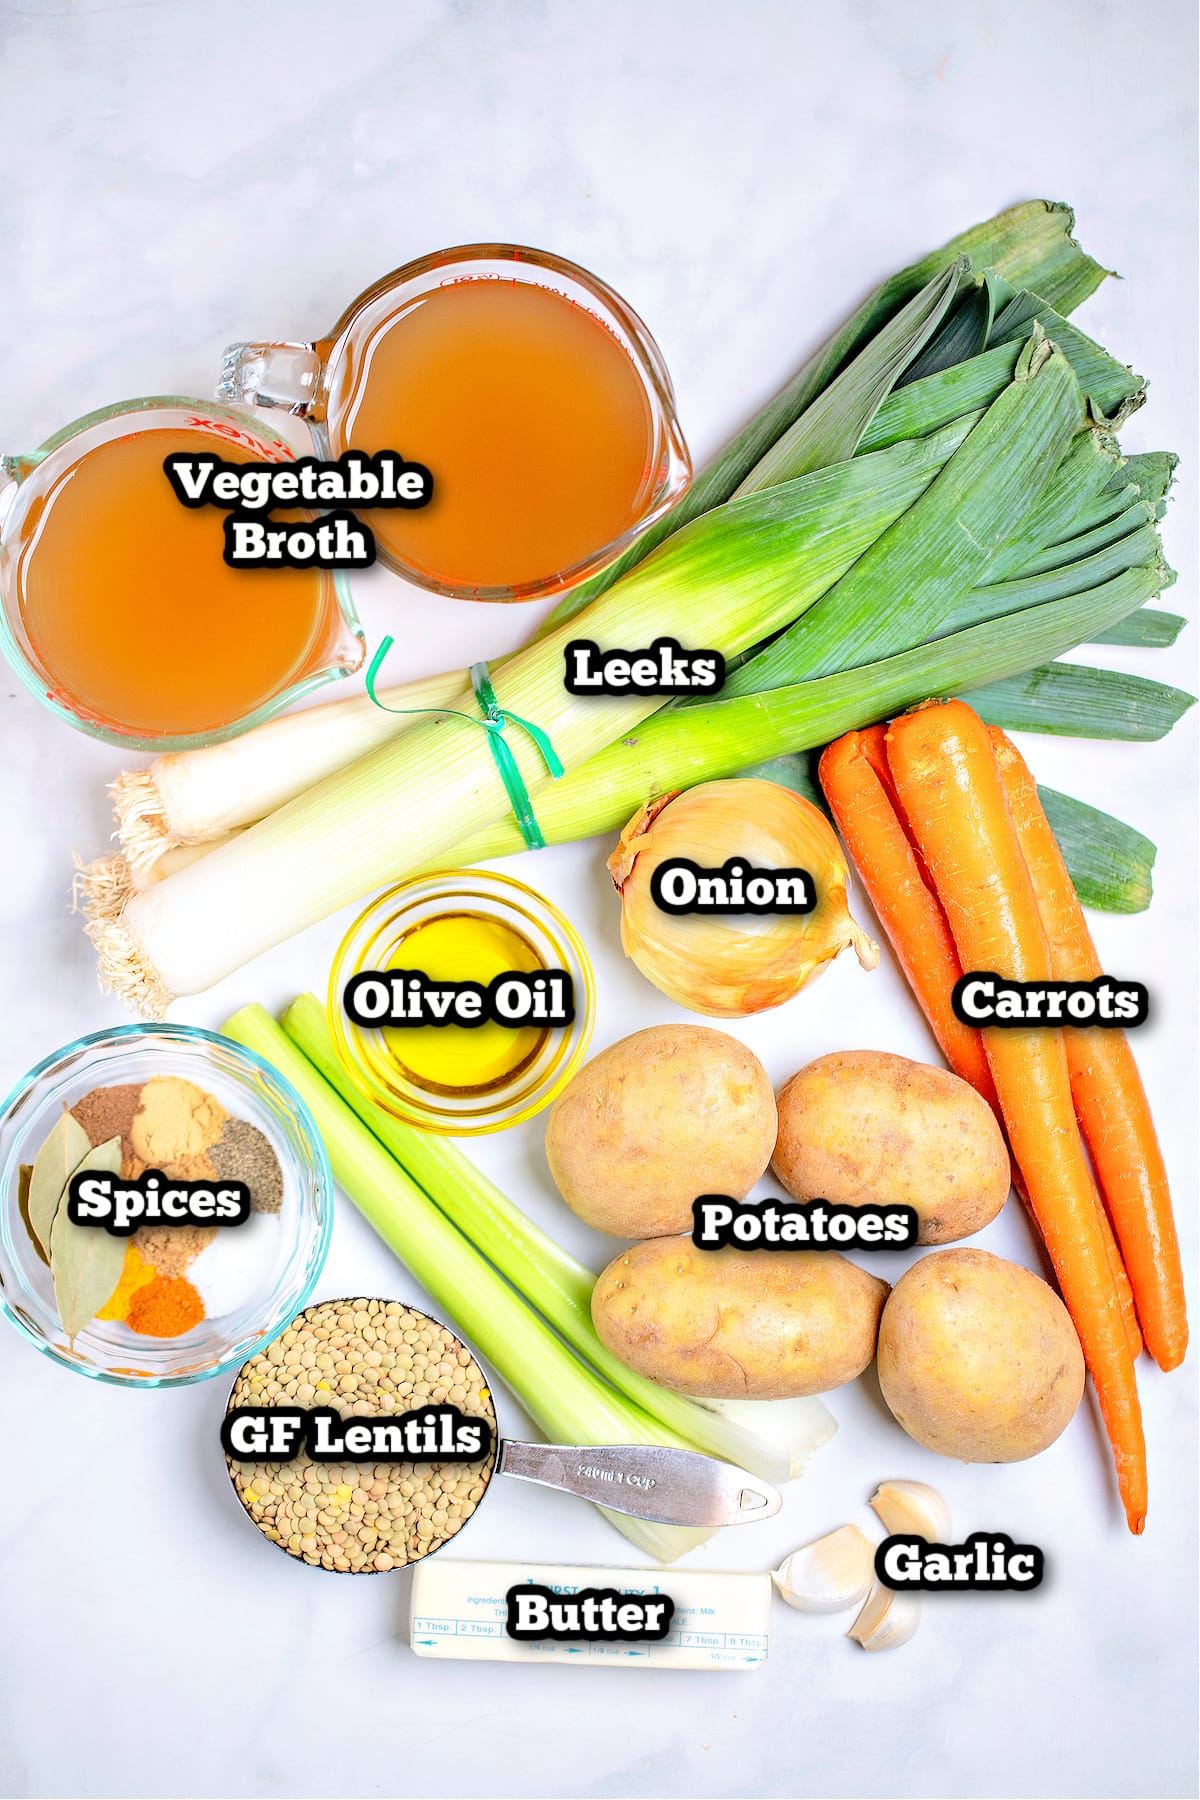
point(355, 1516)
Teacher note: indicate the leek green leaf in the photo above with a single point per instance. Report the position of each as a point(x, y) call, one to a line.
point(797, 772)
point(907, 583)
point(1074, 700)
point(1144, 630)
point(831, 428)
point(1030, 245)
point(1110, 863)
point(1112, 389)
point(964, 335)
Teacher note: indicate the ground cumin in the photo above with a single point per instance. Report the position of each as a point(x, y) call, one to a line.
point(166, 1307)
point(108, 1112)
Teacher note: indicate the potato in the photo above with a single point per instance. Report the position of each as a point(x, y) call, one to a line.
point(978, 1359)
point(655, 1121)
point(738, 1324)
point(861, 1126)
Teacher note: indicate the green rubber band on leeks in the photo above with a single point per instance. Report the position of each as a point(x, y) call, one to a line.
point(494, 720)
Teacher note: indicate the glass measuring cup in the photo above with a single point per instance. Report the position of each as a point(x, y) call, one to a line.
point(663, 1484)
point(312, 380)
point(29, 487)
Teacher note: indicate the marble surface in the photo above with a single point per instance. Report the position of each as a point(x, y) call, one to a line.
point(178, 176)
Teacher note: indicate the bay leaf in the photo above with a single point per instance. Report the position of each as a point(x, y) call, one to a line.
point(53, 1166)
point(24, 1177)
point(86, 1260)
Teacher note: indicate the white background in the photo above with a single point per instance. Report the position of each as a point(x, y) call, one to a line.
point(178, 176)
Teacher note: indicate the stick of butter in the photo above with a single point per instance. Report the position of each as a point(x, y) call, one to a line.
point(460, 1609)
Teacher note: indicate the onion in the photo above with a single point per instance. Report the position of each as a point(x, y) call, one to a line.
point(730, 964)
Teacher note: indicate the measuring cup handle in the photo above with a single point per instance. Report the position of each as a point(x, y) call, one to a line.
point(280, 375)
point(649, 1481)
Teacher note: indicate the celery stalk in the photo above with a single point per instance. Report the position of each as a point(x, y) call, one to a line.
point(565, 1399)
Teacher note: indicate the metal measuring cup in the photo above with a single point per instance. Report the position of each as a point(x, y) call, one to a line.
point(659, 1483)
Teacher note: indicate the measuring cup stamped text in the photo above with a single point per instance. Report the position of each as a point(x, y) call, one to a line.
point(619, 1476)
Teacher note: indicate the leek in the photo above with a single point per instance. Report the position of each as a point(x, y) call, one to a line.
point(945, 543)
point(681, 746)
point(728, 580)
point(566, 1401)
point(550, 1279)
point(1030, 244)
point(198, 796)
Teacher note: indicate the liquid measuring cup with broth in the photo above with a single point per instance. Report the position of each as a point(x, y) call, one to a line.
point(535, 396)
point(379, 1361)
point(120, 611)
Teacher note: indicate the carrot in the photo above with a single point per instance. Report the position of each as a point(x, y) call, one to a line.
point(1110, 1101)
point(858, 786)
point(952, 793)
point(862, 797)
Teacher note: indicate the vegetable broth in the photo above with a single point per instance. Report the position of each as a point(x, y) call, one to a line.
point(529, 413)
point(133, 612)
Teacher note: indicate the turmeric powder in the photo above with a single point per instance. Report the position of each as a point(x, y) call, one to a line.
point(136, 1273)
point(166, 1307)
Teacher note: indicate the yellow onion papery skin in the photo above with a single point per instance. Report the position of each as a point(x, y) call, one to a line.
point(728, 966)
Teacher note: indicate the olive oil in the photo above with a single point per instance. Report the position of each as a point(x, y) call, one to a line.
point(462, 1059)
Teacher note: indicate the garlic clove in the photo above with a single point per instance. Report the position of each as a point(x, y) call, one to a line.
point(912, 1509)
point(887, 1620)
point(829, 1575)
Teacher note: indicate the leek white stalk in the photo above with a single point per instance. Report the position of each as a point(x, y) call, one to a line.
point(727, 581)
point(195, 796)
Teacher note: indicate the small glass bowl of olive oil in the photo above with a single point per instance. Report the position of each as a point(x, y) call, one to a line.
point(410, 951)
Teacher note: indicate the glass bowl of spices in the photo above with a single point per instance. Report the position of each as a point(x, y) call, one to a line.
point(461, 944)
point(177, 1127)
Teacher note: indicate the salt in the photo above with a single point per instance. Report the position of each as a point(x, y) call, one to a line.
point(236, 1267)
